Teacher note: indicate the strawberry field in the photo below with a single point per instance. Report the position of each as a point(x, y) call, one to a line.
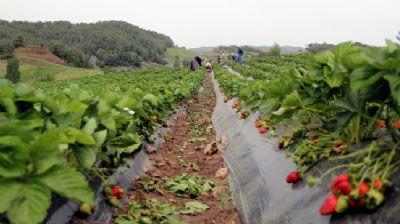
point(58, 135)
point(305, 138)
point(332, 121)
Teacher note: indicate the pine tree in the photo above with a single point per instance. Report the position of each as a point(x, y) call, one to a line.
point(13, 72)
point(19, 42)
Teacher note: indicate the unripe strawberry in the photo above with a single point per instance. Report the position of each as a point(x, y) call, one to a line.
point(114, 201)
point(342, 204)
point(374, 199)
point(311, 181)
point(86, 208)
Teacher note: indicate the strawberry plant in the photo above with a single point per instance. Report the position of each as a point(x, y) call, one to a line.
point(333, 102)
point(50, 131)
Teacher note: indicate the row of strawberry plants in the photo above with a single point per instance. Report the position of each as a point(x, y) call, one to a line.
point(343, 108)
point(268, 67)
point(53, 133)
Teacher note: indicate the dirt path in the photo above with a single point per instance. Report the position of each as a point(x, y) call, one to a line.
point(184, 152)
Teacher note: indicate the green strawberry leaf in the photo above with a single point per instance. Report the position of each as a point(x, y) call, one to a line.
point(30, 207)
point(194, 207)
point(86, 155)
point(9, 191)
point(44, 152)
point(69, 183)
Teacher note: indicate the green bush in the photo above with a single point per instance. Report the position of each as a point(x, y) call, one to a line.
point(275, 50)
point(19, 42)
point(13, 72)
point(177, 63)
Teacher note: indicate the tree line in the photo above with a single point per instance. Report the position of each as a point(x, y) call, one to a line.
point(108, 43)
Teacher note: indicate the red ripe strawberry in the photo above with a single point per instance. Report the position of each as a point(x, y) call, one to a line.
point(378, 184)
point(242, 117)
point(118, 191)
point(281, 145)
point(328, 207)
point(262, 129)
point(258, 124)
point(340, 178)
point(396, 124)
point(342, 188)
point(314, 138)
point(353, 203)
point(341, 184)
point(293, 177)
point(363, 189)
point(357, 204)
point(381, 124)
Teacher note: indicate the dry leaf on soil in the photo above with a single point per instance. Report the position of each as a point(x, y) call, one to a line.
point(150, 149)
point(222, 173)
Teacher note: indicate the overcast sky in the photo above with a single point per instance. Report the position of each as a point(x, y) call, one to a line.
point(214, 22)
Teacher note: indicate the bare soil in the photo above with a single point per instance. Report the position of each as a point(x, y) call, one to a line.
point(183, 144)
point(38, 52)
point(191, 135)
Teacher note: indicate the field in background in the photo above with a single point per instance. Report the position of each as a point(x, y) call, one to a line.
point(33, 69)
point(184, 55)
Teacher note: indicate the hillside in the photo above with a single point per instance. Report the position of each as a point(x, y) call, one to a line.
point(37, 52)
point(108, 43)
point(39, 64)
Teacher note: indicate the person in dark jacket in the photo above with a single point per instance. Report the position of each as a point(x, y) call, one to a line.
point(240, 55)
point(195, 64)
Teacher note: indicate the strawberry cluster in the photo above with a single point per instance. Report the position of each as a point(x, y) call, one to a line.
point(244, 115)
point(347, 193)
point(118, 192)
point(261, 124)
point(236, 105)
point(382, 124)
point(114, 194)
point(228, 98)
point(396, 124)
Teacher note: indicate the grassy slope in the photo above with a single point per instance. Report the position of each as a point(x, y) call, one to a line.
point(184, 55)
point(33, 70)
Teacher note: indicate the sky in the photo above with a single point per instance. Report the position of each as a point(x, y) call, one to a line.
point(223, 22)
